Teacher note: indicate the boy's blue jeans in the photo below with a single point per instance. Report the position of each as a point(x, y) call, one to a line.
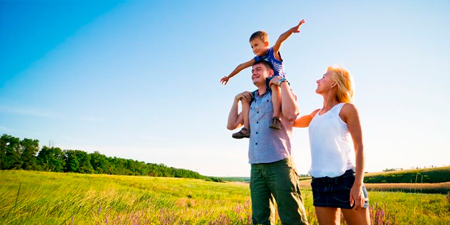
point(277, 181)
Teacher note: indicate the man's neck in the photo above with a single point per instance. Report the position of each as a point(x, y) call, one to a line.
point(262, 89)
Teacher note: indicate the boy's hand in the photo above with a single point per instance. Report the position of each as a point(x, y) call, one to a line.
point(224, 80)
point(297, 28)
point(274, 81)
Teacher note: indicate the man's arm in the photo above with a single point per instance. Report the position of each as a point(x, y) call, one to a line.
point(289, 106)
point(238, 69)
point(236, 119)
point(284, 36)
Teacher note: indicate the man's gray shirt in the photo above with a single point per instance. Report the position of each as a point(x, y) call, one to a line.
point(266, 144)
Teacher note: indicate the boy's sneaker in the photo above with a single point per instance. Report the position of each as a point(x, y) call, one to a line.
point(276, 123)
point(243, 133)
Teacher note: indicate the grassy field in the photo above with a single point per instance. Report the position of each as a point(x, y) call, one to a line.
point(30, 197)
point(429, 175)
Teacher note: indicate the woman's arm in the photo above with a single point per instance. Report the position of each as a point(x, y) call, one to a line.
point(349, 114)
point(305, 120)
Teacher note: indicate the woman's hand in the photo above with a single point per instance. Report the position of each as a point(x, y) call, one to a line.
point(357, 199)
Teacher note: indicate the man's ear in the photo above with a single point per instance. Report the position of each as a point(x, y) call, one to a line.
point(266, 43)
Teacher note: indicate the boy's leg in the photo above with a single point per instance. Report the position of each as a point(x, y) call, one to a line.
point(276, 102)
point(245, 131)
point(263, 210)
point(283, 181)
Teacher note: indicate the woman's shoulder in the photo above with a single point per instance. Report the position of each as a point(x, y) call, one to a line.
point(348, 106)
point(348, 110)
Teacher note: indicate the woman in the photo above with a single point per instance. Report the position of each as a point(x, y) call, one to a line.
point(337, 167)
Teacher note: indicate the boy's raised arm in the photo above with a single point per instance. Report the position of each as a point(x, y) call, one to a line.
point(238, 69)
point(285, 36)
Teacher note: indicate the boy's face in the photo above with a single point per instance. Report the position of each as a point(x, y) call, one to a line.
point(259, 47)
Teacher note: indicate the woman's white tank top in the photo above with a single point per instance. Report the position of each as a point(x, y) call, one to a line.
point(332, 151)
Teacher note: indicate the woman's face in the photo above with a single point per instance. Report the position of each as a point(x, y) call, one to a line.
point(325, 83)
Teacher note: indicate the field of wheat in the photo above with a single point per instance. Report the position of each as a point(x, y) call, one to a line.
point(30, 197)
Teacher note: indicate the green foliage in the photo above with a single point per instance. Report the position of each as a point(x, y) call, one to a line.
point(430, 175)
point(16, 154)
point(28, 157)
point(11, 152)
point(51, 159)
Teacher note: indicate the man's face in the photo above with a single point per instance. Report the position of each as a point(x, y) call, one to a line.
point(259, 74)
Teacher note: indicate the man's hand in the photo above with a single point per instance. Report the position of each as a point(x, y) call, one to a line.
point(297, 28)
point(224, 80)
point(244, 96)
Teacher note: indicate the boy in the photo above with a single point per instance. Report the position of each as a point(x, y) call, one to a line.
point(259, 41)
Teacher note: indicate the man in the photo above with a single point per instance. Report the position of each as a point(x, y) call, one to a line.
point(273, 176)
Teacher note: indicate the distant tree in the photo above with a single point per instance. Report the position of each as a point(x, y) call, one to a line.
point(29, 150)
point(77, 161)
point(12, 151)
point(72, 164)
point(51, 159)
point(3, 144)
point(84, 160)
point(99, 162)
point(120, 166)
point(25, 154)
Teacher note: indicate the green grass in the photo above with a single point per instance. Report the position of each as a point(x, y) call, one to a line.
point(30, 197)
point(430, 175)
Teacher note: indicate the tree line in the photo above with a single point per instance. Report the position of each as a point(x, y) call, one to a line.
point(25, 154)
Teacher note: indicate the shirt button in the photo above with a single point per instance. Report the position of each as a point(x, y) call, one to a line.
point(257, 111)
point(256, 132)
point(257, 122)
point(256, 143)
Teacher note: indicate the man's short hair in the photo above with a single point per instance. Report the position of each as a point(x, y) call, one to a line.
point(267, 64)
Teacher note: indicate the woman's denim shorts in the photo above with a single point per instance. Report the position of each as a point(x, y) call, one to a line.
point(335, 191)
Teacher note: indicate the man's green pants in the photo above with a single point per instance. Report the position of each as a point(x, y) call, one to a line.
point(277, 181)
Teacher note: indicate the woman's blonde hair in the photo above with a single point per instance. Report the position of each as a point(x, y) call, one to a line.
point(344, 83)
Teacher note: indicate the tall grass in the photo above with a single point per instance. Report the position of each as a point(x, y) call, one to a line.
point(29, 197)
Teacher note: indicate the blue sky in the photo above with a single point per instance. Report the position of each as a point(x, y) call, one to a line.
point(140, 79)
